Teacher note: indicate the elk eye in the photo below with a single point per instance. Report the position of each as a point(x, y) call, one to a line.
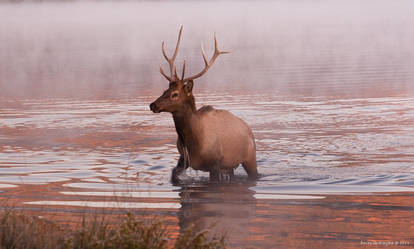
point(174, 95)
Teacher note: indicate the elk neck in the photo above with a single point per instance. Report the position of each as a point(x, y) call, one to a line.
point(186, 122)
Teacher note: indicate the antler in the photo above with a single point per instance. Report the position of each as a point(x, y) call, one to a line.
point(173, 70)
point(208, 64)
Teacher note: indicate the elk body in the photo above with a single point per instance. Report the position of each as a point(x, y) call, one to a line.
point(209, 139)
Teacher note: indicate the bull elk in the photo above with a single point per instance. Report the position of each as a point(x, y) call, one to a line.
point(209, 139)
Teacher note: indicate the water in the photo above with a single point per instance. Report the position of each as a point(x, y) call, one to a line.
point(327, 88)
point(312, 154)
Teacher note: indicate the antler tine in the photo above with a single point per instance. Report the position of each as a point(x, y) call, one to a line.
point(178, 43)
point(216, 47)
point(163, 51)
point(165, 75)
point(204, 55)
point(208, 64)
point(171, 60)
point(175, 73)
point(182, 75)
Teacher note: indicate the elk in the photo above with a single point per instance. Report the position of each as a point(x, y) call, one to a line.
point(209, 139)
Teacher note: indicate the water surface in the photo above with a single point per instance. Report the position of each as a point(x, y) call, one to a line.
point(334, 154)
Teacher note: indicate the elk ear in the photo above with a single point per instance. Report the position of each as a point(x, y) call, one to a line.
point(188, 88)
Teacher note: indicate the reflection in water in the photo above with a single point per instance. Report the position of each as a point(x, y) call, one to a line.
point(296, 221)
point(333, 222)
point(326, 189)
point(107, 204)
point(286, 197)
point(7, 186)
point(151, 194)
point(229, 207)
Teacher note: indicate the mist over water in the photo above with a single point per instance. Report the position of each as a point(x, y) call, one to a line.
point(311, 48)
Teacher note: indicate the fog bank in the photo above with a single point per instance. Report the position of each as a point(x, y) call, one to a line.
point(91, 49)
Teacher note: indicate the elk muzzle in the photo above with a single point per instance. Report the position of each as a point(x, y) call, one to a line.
point(154, 108)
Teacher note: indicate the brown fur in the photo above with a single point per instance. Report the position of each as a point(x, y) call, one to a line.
point(216, 140)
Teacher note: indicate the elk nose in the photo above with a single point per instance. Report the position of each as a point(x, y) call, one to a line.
point(153, 107)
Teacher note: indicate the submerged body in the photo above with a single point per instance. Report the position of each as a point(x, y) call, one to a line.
point(217, 142)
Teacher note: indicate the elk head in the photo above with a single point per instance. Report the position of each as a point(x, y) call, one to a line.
point(180, 89)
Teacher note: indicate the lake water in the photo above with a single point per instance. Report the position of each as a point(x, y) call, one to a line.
point(326, 86)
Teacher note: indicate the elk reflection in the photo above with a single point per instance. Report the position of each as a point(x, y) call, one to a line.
point(229, 207)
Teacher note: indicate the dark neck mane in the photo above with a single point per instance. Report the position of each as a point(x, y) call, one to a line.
point(185, 122)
